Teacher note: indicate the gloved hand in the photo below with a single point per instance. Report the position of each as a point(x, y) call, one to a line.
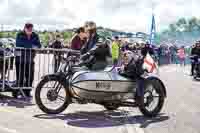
point(85, 56)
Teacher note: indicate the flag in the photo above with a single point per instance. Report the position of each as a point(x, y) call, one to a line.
point(150, 65)
point(153, 30)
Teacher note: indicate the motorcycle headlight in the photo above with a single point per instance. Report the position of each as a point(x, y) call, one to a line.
point(199, 60)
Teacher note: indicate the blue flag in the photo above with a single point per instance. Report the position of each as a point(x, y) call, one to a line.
point(153, 30)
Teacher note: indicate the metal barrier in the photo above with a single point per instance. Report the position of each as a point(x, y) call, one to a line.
point(23, 68)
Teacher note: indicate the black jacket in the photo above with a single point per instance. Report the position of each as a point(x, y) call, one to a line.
point(98, 54)
point(195, 51)
point(134, 69)
point(56, 45)
point(146, 50)
point(22, 41)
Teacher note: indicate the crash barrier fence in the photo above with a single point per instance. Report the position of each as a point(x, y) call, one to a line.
point(22, 68)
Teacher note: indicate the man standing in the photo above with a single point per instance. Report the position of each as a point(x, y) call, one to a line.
point(25, 42)
point(115, 50)
point(57, 44)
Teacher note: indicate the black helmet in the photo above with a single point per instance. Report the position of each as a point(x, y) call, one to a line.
point(101, 40)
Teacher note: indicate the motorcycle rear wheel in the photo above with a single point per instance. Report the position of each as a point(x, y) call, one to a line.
point(38, 99)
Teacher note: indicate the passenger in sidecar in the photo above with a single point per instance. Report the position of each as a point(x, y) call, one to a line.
point(131, 65)
point(132, 68)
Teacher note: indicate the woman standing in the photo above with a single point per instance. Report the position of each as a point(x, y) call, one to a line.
point(79, 39)
point(181, 55)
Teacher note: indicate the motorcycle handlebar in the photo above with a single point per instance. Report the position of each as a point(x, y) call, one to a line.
point(194, 56)
point(74, 53)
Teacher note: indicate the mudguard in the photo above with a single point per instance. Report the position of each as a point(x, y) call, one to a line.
point(60, 76)
point(154, 77)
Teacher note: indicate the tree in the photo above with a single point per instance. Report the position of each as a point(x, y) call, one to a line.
point(193, 24)
point(181, 25)
point(1, 35)
point(172, 28)
point(67, 35)
point(181, 21)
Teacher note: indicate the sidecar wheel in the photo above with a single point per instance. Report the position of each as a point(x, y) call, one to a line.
point(150, 87)
point(51, 95)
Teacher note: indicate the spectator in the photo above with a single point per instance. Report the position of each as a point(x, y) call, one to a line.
point(27, 39)
point(181, 55)
point(78, 40)
point(115, 50)
point(125, 46)
point(57, 44)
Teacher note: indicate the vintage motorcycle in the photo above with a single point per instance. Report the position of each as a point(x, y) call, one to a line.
point(75, 84)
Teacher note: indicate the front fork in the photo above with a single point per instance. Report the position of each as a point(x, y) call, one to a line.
point(57, 84)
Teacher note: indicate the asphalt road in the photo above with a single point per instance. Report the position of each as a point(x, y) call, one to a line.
point(181, 113)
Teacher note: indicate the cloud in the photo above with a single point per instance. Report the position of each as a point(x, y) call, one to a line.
point(128, 15)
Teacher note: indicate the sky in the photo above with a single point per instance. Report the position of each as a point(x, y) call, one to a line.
point(126, 15)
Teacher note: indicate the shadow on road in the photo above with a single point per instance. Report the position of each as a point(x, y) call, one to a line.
point(104, 119)
point(12, 102)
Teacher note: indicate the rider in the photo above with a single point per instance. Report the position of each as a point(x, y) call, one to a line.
point(91, 28)
point(96, 57)
point(132, 68)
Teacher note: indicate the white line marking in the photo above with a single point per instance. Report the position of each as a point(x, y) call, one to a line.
point(132, 127)
point(8, 130)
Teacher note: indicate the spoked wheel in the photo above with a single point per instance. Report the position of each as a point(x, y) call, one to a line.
point(52, 96)
point(153, 99)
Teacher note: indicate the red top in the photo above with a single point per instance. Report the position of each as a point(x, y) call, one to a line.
point(76, 43)
point(181, 53)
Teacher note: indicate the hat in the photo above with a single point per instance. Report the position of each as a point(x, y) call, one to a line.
point(90, 25)
point(28, 25)
point(116, 38)
point(101, 41)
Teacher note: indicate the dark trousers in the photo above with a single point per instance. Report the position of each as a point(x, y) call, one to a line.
point(24, 73)
point(192, 68)
point(140, 87)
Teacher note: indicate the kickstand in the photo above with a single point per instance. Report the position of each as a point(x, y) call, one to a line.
point(23, 94)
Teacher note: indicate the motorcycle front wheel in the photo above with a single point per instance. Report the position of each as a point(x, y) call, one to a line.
point(52, 95)
point(153, 99)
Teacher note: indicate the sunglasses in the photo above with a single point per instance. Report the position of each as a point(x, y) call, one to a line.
point(29, 29)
